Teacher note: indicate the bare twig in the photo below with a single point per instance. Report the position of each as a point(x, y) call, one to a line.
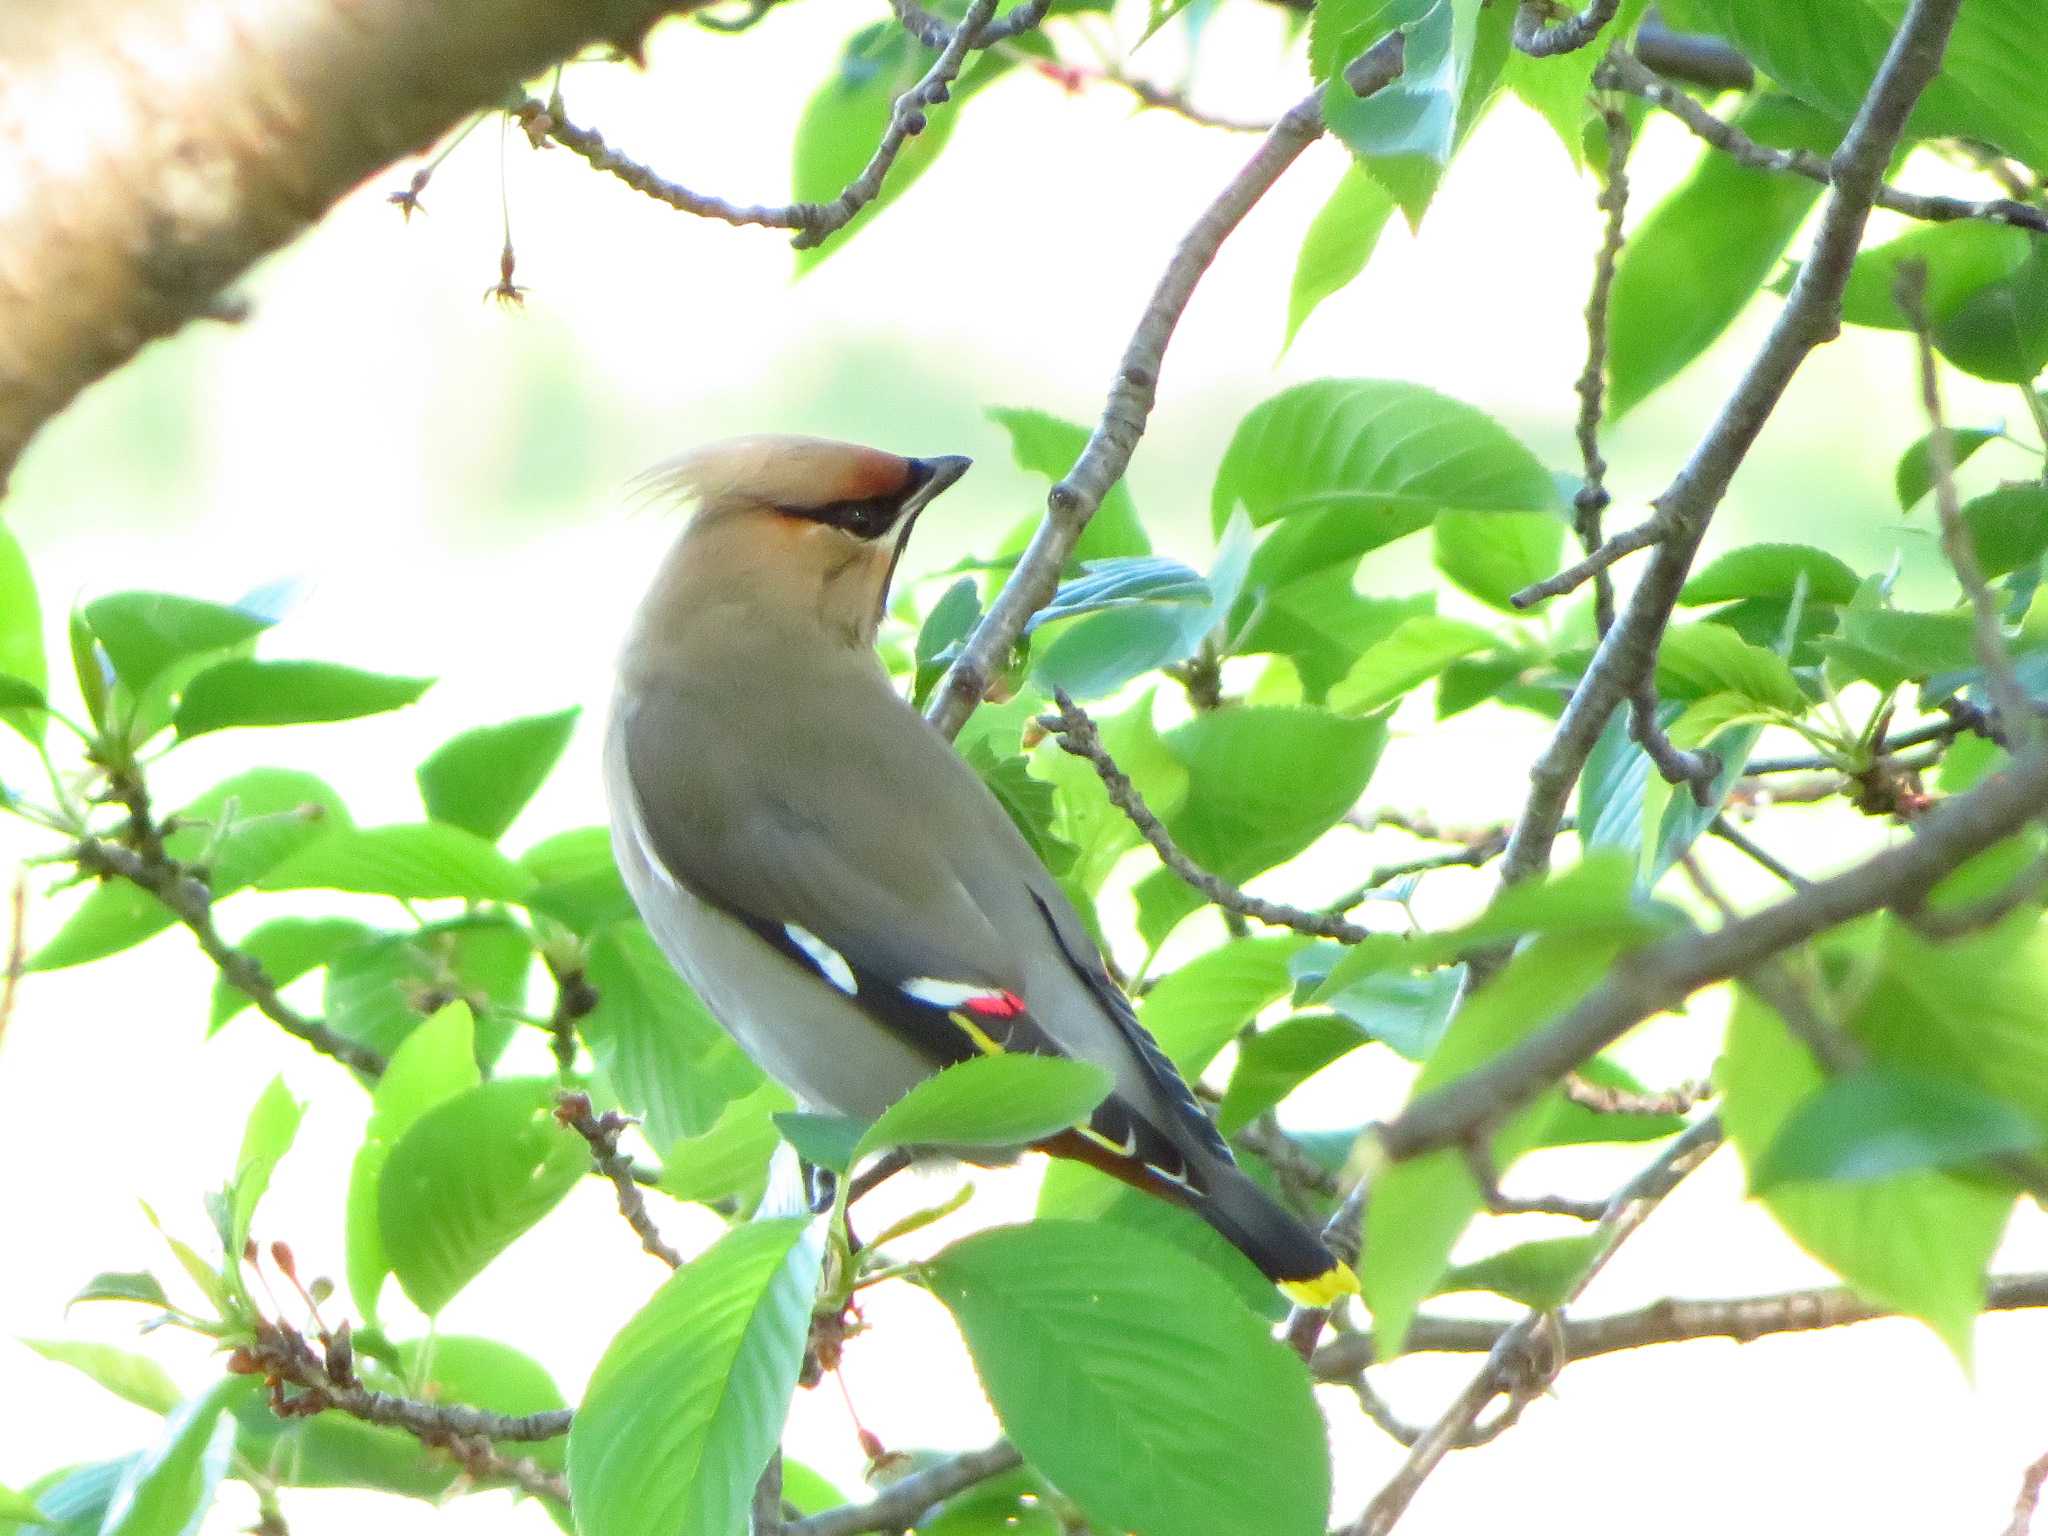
point(1741, 1319)
point(1603, 1100)
point(1072, 502)
point(1479, 1163)
point(1622, 71)
point(602, 1132)
point(898, 1507)
point(575, 1000)
point(191, 903)
point(2031, 1482)
point(764, 1517)
point(1482, 850)
point(1695, 770)
point(1736, 838)
point(934, 32)
point(1538, 36)
point(1664, 974)
point(1810, 316)
point(2015, 708)
point(1176, 102)
point(1592, 498)
point(1651, 530)
point(1512, 1368)
point(812, 222)
point(1077, 735)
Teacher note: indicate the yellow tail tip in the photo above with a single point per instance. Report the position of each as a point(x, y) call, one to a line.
point(1324, 1290)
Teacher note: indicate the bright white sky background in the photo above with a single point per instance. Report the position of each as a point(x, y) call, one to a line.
point(447, 479)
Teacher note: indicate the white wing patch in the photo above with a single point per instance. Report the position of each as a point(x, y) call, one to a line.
point(942, 994)
point(830, 963)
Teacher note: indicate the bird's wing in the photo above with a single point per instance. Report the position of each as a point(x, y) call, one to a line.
point(859, 887)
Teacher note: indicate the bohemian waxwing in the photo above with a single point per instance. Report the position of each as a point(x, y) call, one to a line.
point(845, 895)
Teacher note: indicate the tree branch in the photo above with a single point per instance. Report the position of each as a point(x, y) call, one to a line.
point(1072, 502)
point(1077, 735)
point(1811, 316)
point(602, 1132)
point(1539, 37)
point(216, 145)
point(900, 1505)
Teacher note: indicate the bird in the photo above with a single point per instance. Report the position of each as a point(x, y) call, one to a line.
point(842, 891)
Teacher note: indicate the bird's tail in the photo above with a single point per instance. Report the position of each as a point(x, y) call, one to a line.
point(1286, 1251)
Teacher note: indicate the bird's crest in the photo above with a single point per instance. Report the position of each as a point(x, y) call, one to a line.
point(777, 471)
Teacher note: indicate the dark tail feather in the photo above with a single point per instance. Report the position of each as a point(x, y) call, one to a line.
point(1286, 1251)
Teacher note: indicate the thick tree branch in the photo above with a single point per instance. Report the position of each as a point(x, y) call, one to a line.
point(900, 1505)
point(1072, 502)
point(1811, 316)
point(1623, 71)
point(1077, 735)
point(215, 135)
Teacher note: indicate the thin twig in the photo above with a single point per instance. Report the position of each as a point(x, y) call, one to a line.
point(1649, 531)
point(812, 222)
point(1177, 103)
point(1697, 771)
point(1741, 1319)
point(602, 1132)
point(1736, 838)
point(1591, 500)
point(1476, 854)
point(575, 1000)
point(1811, 315)
point(898, 1507)
point(2015, 708)
point(191, 903)
point(1539, 37)
point(934, 32)
point(1623, 72)
point(1072, 502)
point(764, 1516)
point(1605, 1100)
point(1077, 735)
point(1512, 1367)
point(2023, 1507)
point(1941, 732)
point(1479, 1163)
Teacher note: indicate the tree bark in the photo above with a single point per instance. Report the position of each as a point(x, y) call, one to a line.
point(151, 151)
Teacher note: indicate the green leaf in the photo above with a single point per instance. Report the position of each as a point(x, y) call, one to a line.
point(1915, 1242)
point(482, 779)
point(945, 628)
point(17, 1510)
point(1537, 1274)
point(1322, 625)
point(824, 1141)
point(74, 1501)
point(418, 861)
point(1096, 656)
point(1355, 463)
point(1122, 583)
point(379, 992)
point(576, 881)
point(287, 948)
point(433, 1064)
point(1986, 296)
point(21, 638)
point(1560, 88)
point(667, 1059)
point(1772, 571)
point(2008, 527)
point(1419, 1208)
point(1698, 259)
point(248, 824)
point(1404, 1012)
point(1890, 647)
point(1695, 660)
point(1046, 445)
point(1914, 477)
point(1103, 1351)
point(167, 1490)
point(1827, 52)
point(845, 119)
point(1027, 798)
point(688, 1402)
point(730, 1159)
point(1418, 650)
point(272, 1125)
point(1626, 804)
point(1493, 555)
point(1009, 1100)
point(1881, 1121)
point(1276, 1061)
point(136, 1378)
point(145, 632)
point(468, 1177)
point(1338, 244)
point(243, 691)
point(1197, 1010)
point(122, 1285)
point(1406, 132)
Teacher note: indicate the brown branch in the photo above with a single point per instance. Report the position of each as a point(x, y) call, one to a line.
point(1661, 976)
point(1176, 102)
point(1650, 531)
point(1513, 1369)
point(900, 1505)
point(575, 1000)
point(2031, 1482)
point(1811, 315)
point(1742, 1319)
point(1479, 1163)
point(191, 903)
point(1592, 499)
point(1072, 502)
point(812, 222)
point(139, 215)
point(1603, 1100)
point(1736, 838)
point(1695, 770)
point(1077, 735)
point(602, 1132)
point(2015, 708)
point(1623, 72)
point(1538, 36)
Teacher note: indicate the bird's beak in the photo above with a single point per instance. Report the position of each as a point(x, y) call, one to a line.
point(937, 476)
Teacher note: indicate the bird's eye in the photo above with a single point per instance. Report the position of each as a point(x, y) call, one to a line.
point(867, 518)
